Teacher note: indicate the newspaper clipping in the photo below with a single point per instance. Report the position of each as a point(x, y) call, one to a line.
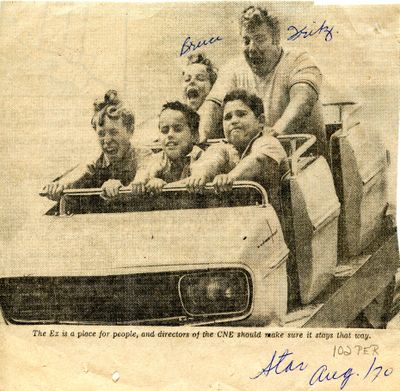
point(199, 196)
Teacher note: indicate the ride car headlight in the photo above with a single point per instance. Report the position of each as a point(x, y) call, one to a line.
point(215, 292)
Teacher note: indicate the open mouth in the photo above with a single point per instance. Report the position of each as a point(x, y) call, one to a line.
point(255, 59)
point(192, 93)
point(171, 144)
point(110, 150)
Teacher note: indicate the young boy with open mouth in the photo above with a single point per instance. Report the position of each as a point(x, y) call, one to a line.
point(119, 161)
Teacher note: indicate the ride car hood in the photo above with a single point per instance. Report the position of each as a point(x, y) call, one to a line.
point(134, 242)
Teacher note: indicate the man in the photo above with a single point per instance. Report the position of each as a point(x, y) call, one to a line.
point(288, 82)
point(118, 163)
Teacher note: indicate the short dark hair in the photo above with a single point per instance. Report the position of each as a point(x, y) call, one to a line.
point(253, 17)
point(112, 107)
point(201, 58)
point(191, 116)
point(253, 101)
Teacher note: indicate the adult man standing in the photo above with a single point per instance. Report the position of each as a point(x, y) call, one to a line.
point(287, 81)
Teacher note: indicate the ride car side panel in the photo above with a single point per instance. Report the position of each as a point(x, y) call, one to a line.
point(315, 213)
point(360, 173)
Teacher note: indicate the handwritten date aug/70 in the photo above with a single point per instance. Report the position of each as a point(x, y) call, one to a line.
point(285, 363)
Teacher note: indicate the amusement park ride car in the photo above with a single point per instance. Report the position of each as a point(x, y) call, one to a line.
point(328, 260)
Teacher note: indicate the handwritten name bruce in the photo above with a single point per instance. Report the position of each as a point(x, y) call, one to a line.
point(284, 363)
point(306, 32)
point(189, 45)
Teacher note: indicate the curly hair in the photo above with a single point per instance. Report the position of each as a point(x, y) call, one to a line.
point(112, 107)
point(253, 17)
point(191, 116)
point(253, 101)
point(201, 58)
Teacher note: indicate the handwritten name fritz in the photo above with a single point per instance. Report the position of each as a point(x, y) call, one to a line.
point(306, 32)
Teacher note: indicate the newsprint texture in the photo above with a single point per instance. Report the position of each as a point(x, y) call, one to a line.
point(199, 196)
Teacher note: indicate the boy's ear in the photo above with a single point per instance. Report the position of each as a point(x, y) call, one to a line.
point(261, 120)
point(195, 139)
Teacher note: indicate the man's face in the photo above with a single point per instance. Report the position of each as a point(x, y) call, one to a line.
point(259, 50)
point(196, 85)
point(240, 124)
point(113, 138)
point(176, 137)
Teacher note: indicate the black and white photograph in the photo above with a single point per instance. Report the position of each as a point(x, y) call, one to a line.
point(217, 164)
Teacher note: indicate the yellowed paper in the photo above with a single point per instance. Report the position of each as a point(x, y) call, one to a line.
point(65, 290)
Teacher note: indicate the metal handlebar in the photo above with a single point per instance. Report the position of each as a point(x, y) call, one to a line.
point(168, 188)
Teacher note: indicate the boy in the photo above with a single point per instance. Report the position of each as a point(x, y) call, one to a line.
point(119, 161)
point(198, 76)
point(247, 154)
point(178, 128)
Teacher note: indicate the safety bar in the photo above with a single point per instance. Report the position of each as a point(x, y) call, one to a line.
point(157, 146)
point(170, 187)
point(215, 140)
point(298, 152)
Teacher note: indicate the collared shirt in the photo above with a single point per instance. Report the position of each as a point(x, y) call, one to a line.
point(161, 166)
point(95, 173)
point(223, 157)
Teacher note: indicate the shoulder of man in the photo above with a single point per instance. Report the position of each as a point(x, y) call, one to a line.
point(300, 67)
point(296, 57)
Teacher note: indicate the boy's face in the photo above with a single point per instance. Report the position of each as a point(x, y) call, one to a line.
point(113, 138)
point(196, 85)
point(240, 124)
point(176, 137)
